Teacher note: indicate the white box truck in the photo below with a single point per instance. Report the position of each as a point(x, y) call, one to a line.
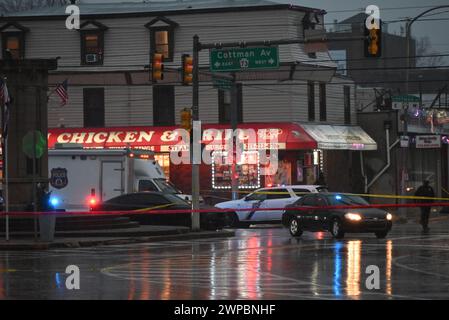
point(78, 176)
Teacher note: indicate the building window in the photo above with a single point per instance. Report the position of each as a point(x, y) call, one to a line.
point(162, 31)
point(347, 104)
point(164, 105)
point(323, 106)
point(92, 47)
point(13, 45)
point(162, 43)
point(93, 107)
point(311, 100)
point(224, 105)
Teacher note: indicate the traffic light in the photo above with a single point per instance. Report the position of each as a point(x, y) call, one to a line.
point(186, 119)
point(187, 69)
point(373, 42)
point(157, 70)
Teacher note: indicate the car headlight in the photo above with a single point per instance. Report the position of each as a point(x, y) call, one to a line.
point(389, 216)
point(353, 216)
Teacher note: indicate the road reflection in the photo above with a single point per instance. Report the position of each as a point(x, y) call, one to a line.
point(337, 268)
point(145, 291)
point(353, 260)
point(389, 258)
point(2, 282)
point(353, 267)
point(250, 284)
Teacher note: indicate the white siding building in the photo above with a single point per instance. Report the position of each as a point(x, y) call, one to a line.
point(107, 61)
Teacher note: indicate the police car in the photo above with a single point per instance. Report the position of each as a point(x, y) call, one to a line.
point(266, 198)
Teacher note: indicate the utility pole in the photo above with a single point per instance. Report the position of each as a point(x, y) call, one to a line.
point(408, 36)
point(195, 117)
point(234, 122)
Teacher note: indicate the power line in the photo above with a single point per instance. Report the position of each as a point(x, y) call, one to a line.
point(384, 9)
point(107, 56)
point(442, 67)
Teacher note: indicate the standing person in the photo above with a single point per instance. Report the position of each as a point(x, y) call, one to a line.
point(43, 198)
point(425, 191)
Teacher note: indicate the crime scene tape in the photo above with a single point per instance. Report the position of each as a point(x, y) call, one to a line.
point(217, 210)
point(386, 196)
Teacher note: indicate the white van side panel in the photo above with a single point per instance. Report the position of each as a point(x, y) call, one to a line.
point(84, 173)
point(112, 180)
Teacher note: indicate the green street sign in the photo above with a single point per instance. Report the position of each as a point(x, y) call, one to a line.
point(242, 59)
point(222, 84)
point(34, 144)
point(405, 98)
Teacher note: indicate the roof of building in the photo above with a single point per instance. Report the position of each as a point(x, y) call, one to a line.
point(160, 7)
point(357, 18)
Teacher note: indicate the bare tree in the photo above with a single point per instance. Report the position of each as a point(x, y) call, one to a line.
point(424, 48)
point(7, 6)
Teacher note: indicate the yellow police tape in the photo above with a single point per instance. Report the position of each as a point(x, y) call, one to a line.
point(156, 207)
point(388, 196)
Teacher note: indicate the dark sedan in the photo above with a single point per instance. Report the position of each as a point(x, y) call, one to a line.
point(143, 201)
point(315, 217)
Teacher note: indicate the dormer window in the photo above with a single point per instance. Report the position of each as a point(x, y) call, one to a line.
point(162, 43)
point(13, 41)
point(162, 37)
point(92, 43)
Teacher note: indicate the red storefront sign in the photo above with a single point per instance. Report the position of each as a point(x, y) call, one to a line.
point(164, 139)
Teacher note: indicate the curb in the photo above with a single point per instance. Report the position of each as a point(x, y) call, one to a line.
point(91, 243)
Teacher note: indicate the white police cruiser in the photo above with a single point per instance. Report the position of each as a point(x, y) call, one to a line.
point(266, 198)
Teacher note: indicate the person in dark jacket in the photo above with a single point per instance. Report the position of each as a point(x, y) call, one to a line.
point(43, 198)
point(425, 191)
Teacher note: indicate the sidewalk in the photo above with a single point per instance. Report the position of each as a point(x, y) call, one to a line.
point(69, 239)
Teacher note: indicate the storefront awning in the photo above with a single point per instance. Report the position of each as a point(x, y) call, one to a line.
point(280, 135)
point(340, 137)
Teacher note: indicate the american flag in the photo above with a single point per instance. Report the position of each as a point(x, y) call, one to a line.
point(5, 99)
point(61, 90)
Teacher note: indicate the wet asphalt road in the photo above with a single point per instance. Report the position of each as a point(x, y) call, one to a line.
point(258, 263)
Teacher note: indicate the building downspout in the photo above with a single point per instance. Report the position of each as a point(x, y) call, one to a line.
point(362, 170)
point(388, 147)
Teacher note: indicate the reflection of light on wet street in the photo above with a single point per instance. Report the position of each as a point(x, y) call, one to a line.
point(389, 256)
point(337, 268)
point(353, 267)
point(166, 283)
point(132, 284)
point(251, 272)
point(263, 263)
point(145, 295)
point(2, 283)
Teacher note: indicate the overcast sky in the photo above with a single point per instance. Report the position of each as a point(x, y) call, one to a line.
point(391, 10)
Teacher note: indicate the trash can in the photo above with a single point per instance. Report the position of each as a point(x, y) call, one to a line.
point(47, 223)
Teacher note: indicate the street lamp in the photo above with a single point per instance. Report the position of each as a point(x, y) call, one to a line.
point(407, 77)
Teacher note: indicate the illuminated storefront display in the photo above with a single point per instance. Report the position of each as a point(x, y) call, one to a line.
point(248, 170)
point(164, 161)
point(299, 150)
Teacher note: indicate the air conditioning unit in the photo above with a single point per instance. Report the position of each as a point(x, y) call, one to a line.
point(91, 58)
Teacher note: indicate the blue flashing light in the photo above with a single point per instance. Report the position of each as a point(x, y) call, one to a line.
point(338, 197)
point(54, 201)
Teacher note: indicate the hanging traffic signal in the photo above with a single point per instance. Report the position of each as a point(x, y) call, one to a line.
point(186, 119)
point(157, 70)
point(187, 70)
point(373, 42)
